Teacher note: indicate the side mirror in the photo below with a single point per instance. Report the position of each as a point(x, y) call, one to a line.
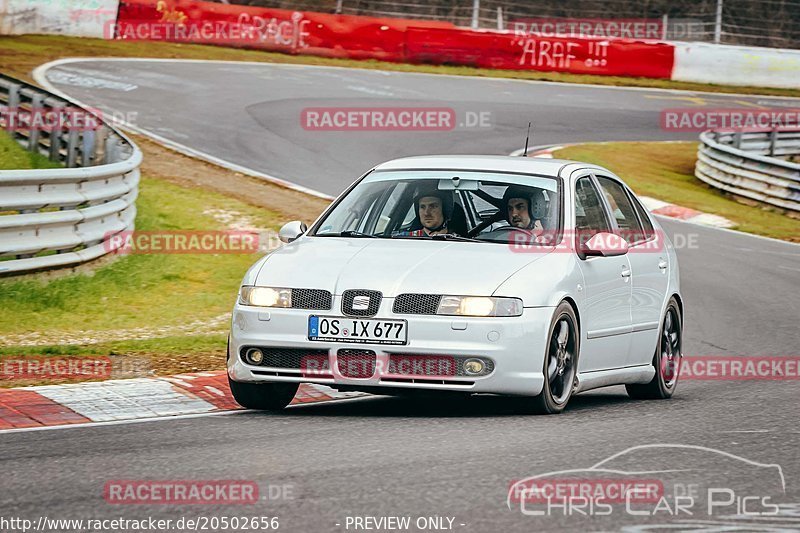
point(291, 231)
point(605, 244)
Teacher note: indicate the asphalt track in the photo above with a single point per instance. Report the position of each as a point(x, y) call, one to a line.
point(389, 457)
point(250, 114)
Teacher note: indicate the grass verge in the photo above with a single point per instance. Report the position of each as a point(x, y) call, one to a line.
point(137, 295)
point(19, 55)
point(162, 356)
point(140, 290)
point(123, 295)
point(666, 171)
point(15, 157)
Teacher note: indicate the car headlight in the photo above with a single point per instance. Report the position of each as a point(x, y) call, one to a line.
point(479, 306)
point(265, 297)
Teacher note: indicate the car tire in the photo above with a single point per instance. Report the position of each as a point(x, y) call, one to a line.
point(263, 396)
point(560, 362)
point(666, 359)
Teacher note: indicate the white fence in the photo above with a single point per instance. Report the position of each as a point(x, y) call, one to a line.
point(63, 216)
point(749, 165)
point(84, 18)
point(736, 65)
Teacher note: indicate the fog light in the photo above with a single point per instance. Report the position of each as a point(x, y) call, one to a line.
point(473, 367)
point(254, 356)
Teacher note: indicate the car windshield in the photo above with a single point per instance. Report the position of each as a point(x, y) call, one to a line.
point(448, 205)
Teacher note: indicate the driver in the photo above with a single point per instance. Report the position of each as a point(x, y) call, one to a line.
point(434, 209)
point(521, 208)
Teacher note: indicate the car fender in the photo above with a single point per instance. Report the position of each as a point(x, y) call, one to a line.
point(252, 273)
point(674, 281)
point(546, 282)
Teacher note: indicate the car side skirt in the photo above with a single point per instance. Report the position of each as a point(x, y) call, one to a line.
point(617, 376)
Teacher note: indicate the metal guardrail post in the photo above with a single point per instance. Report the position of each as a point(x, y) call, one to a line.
point(55, 134)
point(72, 147)
point(773, 139)
point(100, 145)
point(737, 139)
point(112, 149)
point(87, 147)
point(476, 10)
point(13, 105)
point(37, 109)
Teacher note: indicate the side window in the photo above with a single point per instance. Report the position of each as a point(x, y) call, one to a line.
point(373, 213)
point(590, 218)
point(390, 207)
point(409, 218)
point(648, 231)
point(359, 222)
point(621, 209)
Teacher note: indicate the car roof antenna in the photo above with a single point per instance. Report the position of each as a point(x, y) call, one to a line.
point(528, 136)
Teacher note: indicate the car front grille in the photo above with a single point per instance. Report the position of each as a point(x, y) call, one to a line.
point(312, 299)
point(361, 302)
point(416, 304)
point(356, 363)
point(294, 358)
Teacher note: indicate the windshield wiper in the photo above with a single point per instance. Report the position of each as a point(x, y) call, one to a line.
point(351, 233)
point(452, 237)
point(438, 237)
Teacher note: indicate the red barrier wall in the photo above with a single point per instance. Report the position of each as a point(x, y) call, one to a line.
point(270, 29)
point(611, 57)
point(384, 38)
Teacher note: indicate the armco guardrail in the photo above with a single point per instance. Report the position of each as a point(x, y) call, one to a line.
point(63, 216)
point(746, 164)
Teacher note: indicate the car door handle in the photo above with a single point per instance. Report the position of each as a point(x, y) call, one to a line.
point(626, 272)
point(662, 264)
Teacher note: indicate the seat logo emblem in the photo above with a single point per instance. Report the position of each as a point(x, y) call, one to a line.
point(360, 303)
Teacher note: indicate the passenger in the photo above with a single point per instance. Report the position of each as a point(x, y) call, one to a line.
point(521, 207)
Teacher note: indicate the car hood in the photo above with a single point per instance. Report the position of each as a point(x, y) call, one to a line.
point(394, 266)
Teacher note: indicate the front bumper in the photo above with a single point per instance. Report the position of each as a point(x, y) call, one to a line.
point(516, 346)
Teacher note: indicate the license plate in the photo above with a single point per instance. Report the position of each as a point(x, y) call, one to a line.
point(371, 331)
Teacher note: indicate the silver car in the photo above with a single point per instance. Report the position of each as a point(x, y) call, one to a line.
point(537, 278)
